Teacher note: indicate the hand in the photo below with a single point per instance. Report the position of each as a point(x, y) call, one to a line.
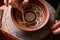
point(16, 4)
point(56, 28)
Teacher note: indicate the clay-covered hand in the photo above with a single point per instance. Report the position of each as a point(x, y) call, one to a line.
point(17, 3)
point(56, 28)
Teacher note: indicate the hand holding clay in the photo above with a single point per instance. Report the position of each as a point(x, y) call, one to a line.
point(18, 3)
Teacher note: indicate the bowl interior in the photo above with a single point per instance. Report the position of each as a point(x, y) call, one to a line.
point(34, 16)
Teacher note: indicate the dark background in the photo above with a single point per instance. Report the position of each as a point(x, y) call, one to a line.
point(1, 2)
point(54, 3)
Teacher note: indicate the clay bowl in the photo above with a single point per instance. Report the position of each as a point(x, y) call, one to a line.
point(28, 23)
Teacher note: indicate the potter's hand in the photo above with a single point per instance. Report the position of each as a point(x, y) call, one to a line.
point(56, 28)
point(17, 4)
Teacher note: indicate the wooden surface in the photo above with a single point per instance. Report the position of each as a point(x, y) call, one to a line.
point(5, 36)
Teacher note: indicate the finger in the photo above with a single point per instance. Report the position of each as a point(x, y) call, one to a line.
point(56, 21)
point(6, 2)
point(55, 26)
point(15, 4)
point(25, 2)
point(57, 31)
